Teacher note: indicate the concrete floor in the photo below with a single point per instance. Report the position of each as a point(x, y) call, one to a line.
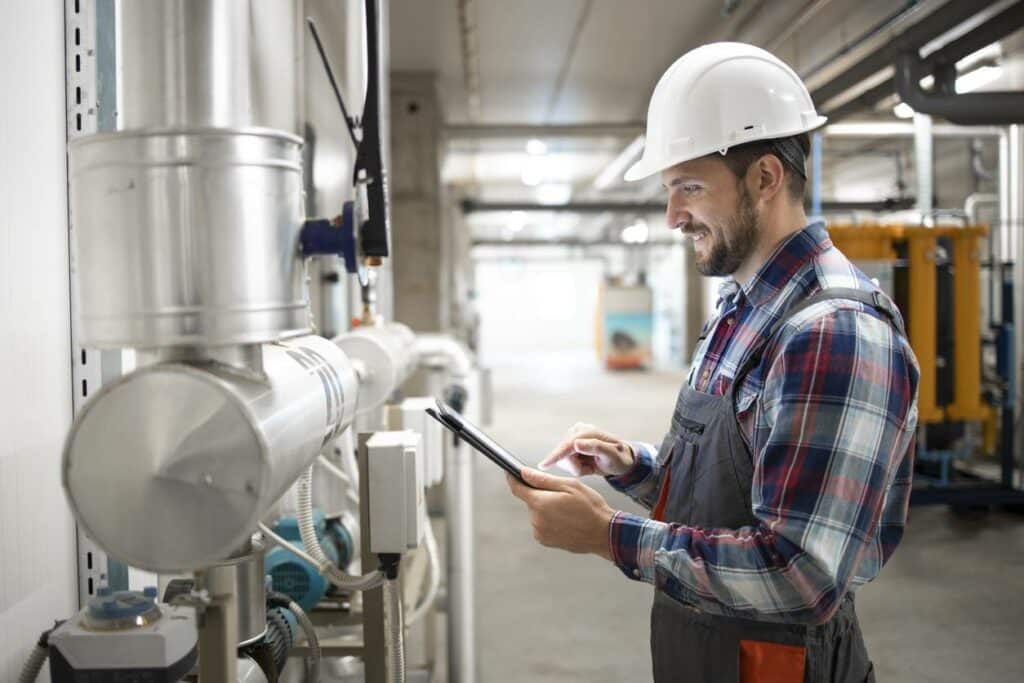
point(949, 607)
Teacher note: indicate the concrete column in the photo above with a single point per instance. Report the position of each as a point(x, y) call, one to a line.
point(419, 242)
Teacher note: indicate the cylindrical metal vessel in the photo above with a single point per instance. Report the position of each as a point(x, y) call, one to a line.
point(188, 238)
point(387, 354)
point(210, 64)
point(174, 464)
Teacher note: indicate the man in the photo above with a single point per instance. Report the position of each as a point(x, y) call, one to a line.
point(783, 483)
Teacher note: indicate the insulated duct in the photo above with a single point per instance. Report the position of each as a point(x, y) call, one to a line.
point(173, 466)
point(384, 357)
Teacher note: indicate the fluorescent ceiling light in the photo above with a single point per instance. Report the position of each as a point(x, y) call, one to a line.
point(982, 76)
point(903, 111)
point(536, 147)
point(612, 173)
point(533, 173)
point(554, 193)
point(517, 221)
point(637, 233)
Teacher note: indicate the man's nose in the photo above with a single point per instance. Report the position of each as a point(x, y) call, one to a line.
point(676, 212)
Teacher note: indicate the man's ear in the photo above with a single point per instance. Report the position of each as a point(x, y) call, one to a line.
point(768, 177)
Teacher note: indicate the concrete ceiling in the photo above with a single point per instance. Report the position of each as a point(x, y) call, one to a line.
point(596, 61)
point(548, 62)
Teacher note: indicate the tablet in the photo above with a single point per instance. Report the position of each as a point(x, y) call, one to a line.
point(476, 438)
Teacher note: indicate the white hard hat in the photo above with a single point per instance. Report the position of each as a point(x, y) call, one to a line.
point(718, 96)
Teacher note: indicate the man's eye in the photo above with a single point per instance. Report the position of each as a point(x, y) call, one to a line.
point(690, 189)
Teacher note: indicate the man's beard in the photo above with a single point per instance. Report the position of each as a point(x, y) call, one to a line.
point(733, 243)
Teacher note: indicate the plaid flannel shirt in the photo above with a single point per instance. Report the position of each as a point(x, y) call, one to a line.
point(830, 416)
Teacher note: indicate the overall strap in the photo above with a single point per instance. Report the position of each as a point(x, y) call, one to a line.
point(874, 299)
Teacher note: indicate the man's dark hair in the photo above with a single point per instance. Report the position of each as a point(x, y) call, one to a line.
point(740, 157)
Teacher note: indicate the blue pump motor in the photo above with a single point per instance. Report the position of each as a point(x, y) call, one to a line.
point(296, 578)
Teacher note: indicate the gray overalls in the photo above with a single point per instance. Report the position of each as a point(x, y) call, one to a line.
point(711, 473)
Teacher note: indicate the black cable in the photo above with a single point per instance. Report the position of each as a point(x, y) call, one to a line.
point(349, 121)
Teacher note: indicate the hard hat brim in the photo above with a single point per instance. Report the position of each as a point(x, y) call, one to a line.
point(646, 167)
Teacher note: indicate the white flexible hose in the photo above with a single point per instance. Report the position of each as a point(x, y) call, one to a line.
point(34, 664)
point(290, 547)
point(394, 631)
point(434, 586)
point(348, 458)
point(323, 564)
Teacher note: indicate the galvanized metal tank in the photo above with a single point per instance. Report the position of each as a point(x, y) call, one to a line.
point(187, 217)
point(188, 238)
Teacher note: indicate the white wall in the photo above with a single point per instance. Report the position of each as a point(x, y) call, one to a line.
point(37, 545)
point(532, 306)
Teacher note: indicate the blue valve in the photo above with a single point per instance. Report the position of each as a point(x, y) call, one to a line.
point(323, 236)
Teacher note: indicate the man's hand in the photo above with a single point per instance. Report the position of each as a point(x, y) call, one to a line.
point(565, 513)
point(589, 450)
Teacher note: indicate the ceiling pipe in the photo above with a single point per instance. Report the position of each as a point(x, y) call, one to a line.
point(899, 129)
point(983, 108)
point(469, 48)
point(798, 22)
point(497, 131)
point(633, 129)
point(946, 18)
point(472, 206)
point(990, 31)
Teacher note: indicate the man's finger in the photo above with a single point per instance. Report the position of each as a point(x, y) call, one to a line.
point(560, 451)
point(519, 490)
point(595, 447)
point(543, 480)
point(571, 465)
point(567, 447)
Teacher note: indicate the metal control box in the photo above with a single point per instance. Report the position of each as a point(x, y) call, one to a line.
point(411, 414)
point(394, 491)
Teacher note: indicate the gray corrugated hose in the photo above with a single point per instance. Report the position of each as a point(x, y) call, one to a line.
point(313, 661)
point(394, 630)
point(34, 665)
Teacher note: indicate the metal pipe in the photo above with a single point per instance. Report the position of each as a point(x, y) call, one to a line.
point(218, 628)
point(242, 576)
point(993, 313)
point(459, 359)
point(489, 131)
point(992, 29)
point(201, 453)
point(1014, 226)
point(460, 535)
point(924, 166)
point(895, 129)
point(921, 326)
point(634, 129)
point(473, 206)
point(461, 552)
point(796, 23)
point(387, 356)
point(981, 108)
point(469, 45)
point(881, 48)
point(210, 64)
